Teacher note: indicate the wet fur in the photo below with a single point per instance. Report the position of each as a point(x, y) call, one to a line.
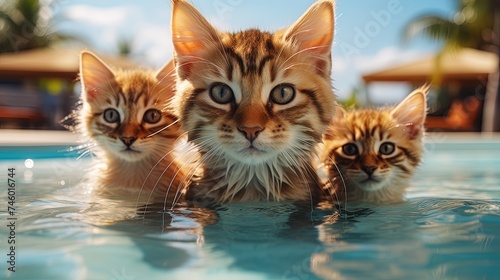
point(277, 165)
point(149, 170)
point(402, 125)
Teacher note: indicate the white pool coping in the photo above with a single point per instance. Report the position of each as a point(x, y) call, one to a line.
point(15, 137)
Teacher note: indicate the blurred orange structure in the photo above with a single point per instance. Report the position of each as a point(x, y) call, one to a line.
point(462, 75)
point(462, 116)
point(50, 62)
point(37, 84)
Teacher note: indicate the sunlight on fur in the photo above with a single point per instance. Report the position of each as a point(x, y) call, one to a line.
point(371, 154)
point(255, 104)
point(127, 123)
point(244, 116)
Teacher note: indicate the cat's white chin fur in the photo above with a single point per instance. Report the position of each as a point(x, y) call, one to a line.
point(128, 155)
point(121, 152)
point(251, 156)
point(390, 190)
point(372, 185)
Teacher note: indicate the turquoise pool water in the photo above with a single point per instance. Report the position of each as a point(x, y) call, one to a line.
point(448, 228)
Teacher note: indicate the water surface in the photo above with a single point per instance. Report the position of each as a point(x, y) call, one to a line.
point(448, 228)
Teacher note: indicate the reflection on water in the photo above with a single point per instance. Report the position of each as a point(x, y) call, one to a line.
point(420, 239)
point(449, 228)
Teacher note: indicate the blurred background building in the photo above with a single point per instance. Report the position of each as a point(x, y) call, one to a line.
point(464, 72)
point(460, 79)
point(39, 66)
point(383, 52)
point(39, 87)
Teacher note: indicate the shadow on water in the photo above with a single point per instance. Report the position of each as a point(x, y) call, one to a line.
point(419, 239)
point(269, 240)
point(423, 238)
point(264, 238)
point(430, 238)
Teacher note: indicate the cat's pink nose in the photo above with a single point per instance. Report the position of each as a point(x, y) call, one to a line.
point(128, 141)
point(369, 169)
point(250, 133)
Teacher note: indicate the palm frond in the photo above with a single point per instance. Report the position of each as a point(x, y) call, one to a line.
point(433, 27)
point(24, 28)
point(29, 9)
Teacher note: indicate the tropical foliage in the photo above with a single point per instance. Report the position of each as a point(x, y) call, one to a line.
point(476, 24)
point(27, 24)
point(471, 26)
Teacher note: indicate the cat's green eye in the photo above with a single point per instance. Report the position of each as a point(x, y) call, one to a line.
point(111, 115)
point(350, 149)
point(282, 94)
point(152, 116)
point(387, 148)
point(221, 93)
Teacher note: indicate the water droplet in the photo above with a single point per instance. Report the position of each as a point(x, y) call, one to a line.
point(28, 176)
point(29, 163)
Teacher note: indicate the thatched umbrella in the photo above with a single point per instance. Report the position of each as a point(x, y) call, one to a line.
point(50, 63)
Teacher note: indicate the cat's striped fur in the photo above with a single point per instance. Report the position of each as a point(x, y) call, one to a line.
point(126, 114)
point(375, 152)
point(254, 103)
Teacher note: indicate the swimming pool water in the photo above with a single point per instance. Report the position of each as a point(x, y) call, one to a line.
point(448, 228)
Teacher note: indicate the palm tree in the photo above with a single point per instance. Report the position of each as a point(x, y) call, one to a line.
point(125, 46)
point(476, 24)
point(469, 27)
point(27, 24)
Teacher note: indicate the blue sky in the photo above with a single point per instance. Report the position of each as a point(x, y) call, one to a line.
point(367, 32)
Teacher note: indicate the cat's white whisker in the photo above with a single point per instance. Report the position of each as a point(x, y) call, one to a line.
point(187, 178)
point(378, 149)
point(193, 170)
point(403, 125)
point(282, 65)
point(312, 174)
point(169, 76)
point(149, 174)
point(187, 162)
point(332, 189)
point(198, 59)
point(175, 160)
point(182, 182)
point(129, 153)
point(274, 166)
point(85, 149)
point(222, 51)
point(164, 128)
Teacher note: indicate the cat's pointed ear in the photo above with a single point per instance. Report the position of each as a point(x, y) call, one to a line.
point(191, 34)
point(94, 74)
point(166, 78)
point(340, 113)
point(411, 112)
point(313, 32)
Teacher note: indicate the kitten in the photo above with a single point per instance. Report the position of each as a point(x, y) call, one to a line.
point(254, 103)
point(376, 150)
point(126, 114)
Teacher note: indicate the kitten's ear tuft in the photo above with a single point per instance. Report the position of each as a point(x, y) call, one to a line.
point(191, 34)
point(313, 32)
point(329, 135)
point(166, 78)
point(340, 113)
point(94, 75)
point(411, 112)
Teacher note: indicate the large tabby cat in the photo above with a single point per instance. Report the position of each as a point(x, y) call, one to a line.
point(126, 114)
point(255, 103)
point(376, 151)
